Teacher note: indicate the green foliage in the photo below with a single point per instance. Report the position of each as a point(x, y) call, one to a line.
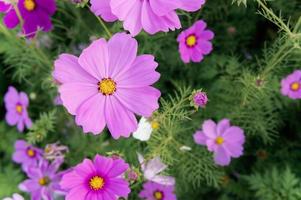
point(256, 44)
point(275, 184)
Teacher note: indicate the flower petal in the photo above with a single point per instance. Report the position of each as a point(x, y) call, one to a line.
point(95, 59)
point(120, 121)
point(200, 138)
point(209, 129)
point(90, 114)
point(142, 101)
point(221, 156)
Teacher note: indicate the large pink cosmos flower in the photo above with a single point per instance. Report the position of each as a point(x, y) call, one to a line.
point(151, 15)
point(194, 42)
point(224, 140)
point(100, 179)
point(107, 84)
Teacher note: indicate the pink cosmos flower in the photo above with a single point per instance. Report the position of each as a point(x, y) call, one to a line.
point(98, 179)
point(43, 181)
point(152, 171)
point(16, 106)
point(155, 191)
point(151, 15)
point(35, 15)
point(107, 84)
point(194, 42)
point(291, 85)
point(26, 154)
point(224, 140)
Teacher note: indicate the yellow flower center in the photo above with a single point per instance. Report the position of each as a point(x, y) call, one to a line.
point(158, 195)
point(155, 125)
point(191, 40)
point(219, 140)
point(19, 109)
point(295, 86)
point(107, 86)
point(96, 183)
point(29, 5)
point(44, 181)
point(31, 153)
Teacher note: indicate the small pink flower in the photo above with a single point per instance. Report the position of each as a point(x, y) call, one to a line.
point(194, 42)
point(150, 15)
point(155, 191)
point(98, 179)
point(224, 140)
point(107, 84)
point(291, 85)
point(16, 106)
point(26, 154)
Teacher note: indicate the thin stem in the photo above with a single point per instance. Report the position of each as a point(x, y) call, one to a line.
point(109, 34)
point(18, 14)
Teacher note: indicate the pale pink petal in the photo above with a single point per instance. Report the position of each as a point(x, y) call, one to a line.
point(132, 22)
point(222, 126)
point(235, 150)
point(67, 69)
point(200, 138)
point(163, 7)
point(142, 101)
point(12, 117)
point(164, 180)
point(122, 52)
point(234, 135)
point(120, 121)
point(20, 125)
point(191, 5)
point(209, 129)
point(90, 114)
point(142, 73)
point(95, 59)
point(221, 156)
point(102, 8)
point(11, 97)
point(74, 94)
point(23, 99)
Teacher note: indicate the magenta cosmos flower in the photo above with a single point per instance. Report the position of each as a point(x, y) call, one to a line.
point(151, 15)
point(155, 191)
point(98, 179)
point(194, 42)
point(16, 109)
point(107, 84)
point(224, 140)
point(43, 181)
point(26, 154)
point(35, 15)
point(291, 85)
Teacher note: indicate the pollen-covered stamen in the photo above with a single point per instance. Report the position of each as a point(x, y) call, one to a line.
point(44, 181)
point(107, 86)
point(96, 183)
point(158, 195)
point(19, 109)
point(219, 140)
point(29, 5)
point(295, 86)
point(191, 40)
point(31, 153)
point(155, 125)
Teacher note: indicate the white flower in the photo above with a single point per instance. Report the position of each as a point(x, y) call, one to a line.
point(185, 148)
point(152, 169)
point(15, 197)
point(145, 129)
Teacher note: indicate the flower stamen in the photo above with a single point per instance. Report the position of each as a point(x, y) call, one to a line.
point(107, 86)
point(191, 40)
point(219, 140)
point(29, 5)
point(295, 86)
point(96, 183)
